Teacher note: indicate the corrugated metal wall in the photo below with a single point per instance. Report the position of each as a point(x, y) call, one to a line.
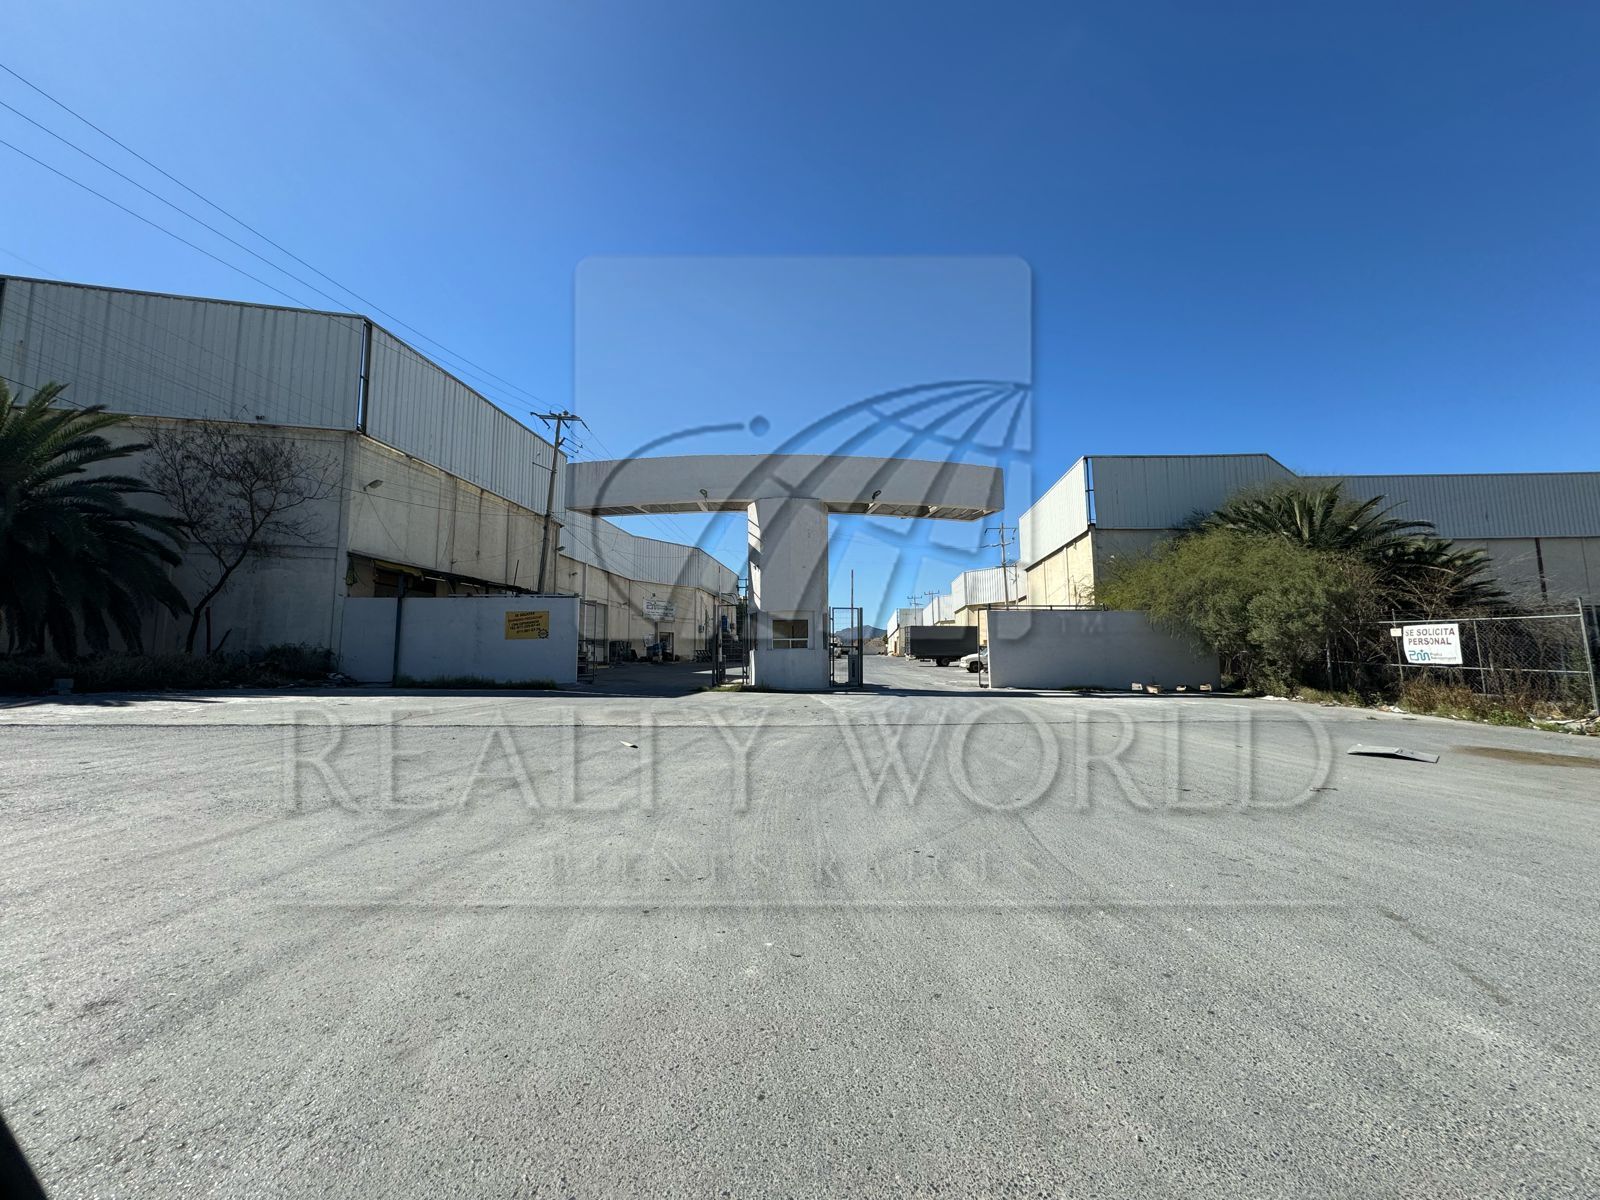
point(1056, 518)
point(1491, 506)
point(598, 542)
point(170, 356)
point(415, 406)
point(904, 617)
point(1150, 492)
point(940, 608)
point(988, 586)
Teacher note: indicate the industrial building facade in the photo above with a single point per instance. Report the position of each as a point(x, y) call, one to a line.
point(971, 596)
point(1541, 531)
point(431, 488)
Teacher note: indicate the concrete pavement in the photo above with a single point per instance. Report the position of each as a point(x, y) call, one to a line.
point(922, 940)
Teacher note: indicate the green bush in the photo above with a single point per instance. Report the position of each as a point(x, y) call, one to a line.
point(1440, 698)
point(27, 675)
point(298, 660)
point(273, 667)
point(474, 683)
point(1271, 609)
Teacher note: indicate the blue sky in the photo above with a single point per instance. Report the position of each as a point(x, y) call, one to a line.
point(1362, 238)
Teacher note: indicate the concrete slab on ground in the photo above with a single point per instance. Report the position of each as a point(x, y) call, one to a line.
point(921, 937)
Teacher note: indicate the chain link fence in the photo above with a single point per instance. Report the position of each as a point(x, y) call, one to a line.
point(1531, 659)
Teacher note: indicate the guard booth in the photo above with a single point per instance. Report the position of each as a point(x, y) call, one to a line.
point(844, 658)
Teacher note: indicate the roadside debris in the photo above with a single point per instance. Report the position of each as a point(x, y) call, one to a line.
point(1393, 752)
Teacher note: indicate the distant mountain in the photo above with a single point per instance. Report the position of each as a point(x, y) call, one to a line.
point(867, 631)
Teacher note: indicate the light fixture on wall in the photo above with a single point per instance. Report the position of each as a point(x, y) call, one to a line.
point(370, 484)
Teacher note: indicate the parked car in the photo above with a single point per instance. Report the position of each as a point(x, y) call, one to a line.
point(976, 662)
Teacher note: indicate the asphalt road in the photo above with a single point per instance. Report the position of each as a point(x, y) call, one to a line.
point(928, 939)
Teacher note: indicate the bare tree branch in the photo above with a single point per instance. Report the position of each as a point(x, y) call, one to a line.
point(236, 494)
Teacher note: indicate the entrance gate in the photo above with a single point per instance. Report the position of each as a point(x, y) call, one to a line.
point(592, 643)
point(844, 657)
point(727, 645)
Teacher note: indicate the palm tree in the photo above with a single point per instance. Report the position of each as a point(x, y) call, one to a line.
point(1418, 570)
point(74, 556)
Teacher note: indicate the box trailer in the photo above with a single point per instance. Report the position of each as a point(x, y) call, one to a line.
point(941, 643)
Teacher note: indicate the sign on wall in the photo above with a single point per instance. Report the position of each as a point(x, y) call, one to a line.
point(660, 610)
point(522, 625)
point(1432, 645)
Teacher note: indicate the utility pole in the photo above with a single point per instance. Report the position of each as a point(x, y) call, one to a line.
point(1005, 573)
point(558, 419)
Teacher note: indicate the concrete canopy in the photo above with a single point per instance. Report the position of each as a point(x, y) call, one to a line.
point(885, 487)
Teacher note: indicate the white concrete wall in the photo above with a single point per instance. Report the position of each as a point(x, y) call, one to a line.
point(459, 635)
point(1061, 648)
point(789, 578)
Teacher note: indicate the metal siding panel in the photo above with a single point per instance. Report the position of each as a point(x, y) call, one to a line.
point(1056, 518)
point(1162, 492)
point(167, 356)
point(601, 544)
point(419, 408)
point(1489, 506)
point(905, 617)
point(985, 586)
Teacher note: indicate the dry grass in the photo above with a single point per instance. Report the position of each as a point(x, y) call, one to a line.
point(1509, 707)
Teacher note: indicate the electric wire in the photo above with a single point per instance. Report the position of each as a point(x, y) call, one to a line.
point(269, 241)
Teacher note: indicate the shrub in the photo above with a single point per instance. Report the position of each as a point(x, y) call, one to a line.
point(273, 667)
point(27, 675)
point(1441, 698)
point(474, 683)
point(298, 660)
point(1271, 609)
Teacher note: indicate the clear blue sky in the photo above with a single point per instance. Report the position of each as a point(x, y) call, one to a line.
point(1362, 238)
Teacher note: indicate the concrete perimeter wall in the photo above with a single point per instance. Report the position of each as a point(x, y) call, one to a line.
point(442, 637)
point(1060, 648)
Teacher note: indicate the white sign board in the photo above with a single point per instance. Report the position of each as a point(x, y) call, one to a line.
point(660, 610)
point(1432, 645)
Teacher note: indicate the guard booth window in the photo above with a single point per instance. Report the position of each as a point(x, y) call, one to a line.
point(791, 633)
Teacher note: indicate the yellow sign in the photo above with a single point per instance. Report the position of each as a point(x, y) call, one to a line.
point(521, 625)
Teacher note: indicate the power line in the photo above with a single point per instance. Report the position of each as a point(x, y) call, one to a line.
point(484, 372)
point(153, 224)
point(174, 207)
point(1005, 568)
point(246, 225)
point(298, 301)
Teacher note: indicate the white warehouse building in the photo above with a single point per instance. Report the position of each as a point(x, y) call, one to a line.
point(438, 492)
point(972, 594)
point(1541, 531)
